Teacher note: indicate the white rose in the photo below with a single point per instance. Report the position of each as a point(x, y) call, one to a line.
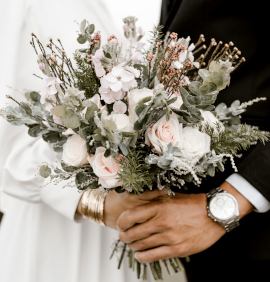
point(134, 97)
point(164, 132)
point(194, 144)
point(211, 120)
point(105, 168)
point(75, 151)
point(121, 122)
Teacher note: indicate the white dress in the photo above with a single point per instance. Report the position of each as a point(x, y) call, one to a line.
point(39, 239)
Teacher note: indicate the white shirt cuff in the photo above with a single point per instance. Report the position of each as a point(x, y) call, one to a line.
point(260, 203)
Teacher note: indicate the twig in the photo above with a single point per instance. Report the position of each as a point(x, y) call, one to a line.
point(35, 117)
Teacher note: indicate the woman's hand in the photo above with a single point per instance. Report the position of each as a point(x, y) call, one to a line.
point(115, 204)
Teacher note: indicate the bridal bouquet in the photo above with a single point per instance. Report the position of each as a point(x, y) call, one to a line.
point(131, 118)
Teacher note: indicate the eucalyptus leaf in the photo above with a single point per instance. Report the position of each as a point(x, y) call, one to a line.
point(188, 177)
point(139, 109)
point(211, 170)
point(220, 166)
point(208, 88)
point(217, 78)
point(221, 108)
point(58, 146)
point(45, 171)
point(107, 153)
point(171, 101)
point(234, 121)
point(68, 168)
point(235, 105)
point(194, 87)
point(82, 39)
point(90, 29)
point(51, 137)
point(59, 110)
point(82, 181)
point(91, 111)
point(123, 148)
point(71, 120)
point(35, 130)
point(82, 26)
point(35, 96)
point(203, 73)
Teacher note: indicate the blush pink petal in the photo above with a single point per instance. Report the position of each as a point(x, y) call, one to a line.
point(119, 107)
point(118, 95)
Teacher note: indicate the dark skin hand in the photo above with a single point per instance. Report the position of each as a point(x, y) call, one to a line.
point(174, 227)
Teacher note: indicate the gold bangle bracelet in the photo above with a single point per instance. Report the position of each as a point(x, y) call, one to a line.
point(92, 205)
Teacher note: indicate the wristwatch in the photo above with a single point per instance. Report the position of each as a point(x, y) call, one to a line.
point(223, 208)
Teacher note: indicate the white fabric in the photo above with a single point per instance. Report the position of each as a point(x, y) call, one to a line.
point(249, 192)
point(39, 241)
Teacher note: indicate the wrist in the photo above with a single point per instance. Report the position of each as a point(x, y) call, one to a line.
point(245, 207)
point(91, 205)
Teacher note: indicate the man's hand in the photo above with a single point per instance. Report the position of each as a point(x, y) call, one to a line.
point(177, 227)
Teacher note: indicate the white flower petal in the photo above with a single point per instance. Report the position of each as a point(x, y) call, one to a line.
point(134, 71)
point(183, 56)
point(111, 78)
point(116, 86)
point(117, 71)
point(126, 76)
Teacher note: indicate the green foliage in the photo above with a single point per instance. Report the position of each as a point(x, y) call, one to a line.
point(230, 115)
point(232, 140)
point(86, 32)
point(135, 173)
point(86, 78)
point(45, 171)
point(155, 36)
point(71, 119)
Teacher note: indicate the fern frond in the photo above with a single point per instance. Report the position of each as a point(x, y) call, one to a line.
point(86, 78)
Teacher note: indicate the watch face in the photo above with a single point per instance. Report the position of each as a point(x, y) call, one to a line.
point(222, 206)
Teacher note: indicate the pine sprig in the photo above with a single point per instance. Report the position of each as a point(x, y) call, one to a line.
point(135, 174)
point(230, 141)
point(86, 78)
point(155, 36)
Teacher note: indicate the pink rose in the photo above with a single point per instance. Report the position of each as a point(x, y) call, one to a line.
point(105, 168)
point(75, 151)
point(164, 132)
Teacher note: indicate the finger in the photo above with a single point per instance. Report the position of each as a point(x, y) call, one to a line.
point(156, 254)
point(149, 195)
point(139, 232)
point(150, 242)
point(136, 215)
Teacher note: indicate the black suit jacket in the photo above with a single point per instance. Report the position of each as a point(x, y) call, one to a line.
point(246, 24)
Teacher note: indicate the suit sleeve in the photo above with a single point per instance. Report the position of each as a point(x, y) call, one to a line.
point(255, 168)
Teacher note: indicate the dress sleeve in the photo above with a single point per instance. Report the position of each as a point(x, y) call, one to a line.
point(20, 177)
